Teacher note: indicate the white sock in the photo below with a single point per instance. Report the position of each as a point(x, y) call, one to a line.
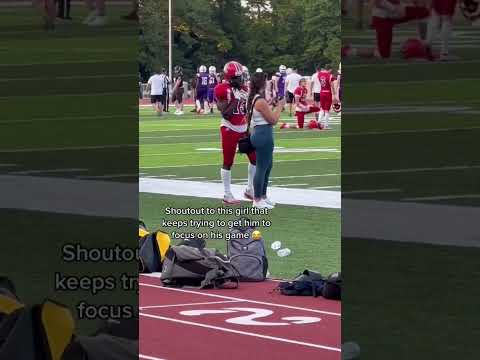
point(198, 105)
point(327, 118)
point(251, 175)
point(445, 34)
point(226, 176)
point(321, 115)
point(432, 28)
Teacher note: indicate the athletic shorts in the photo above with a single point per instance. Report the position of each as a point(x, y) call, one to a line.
point(230, 140)
point(202, 94)
point(384, 27)
point(444, 7)
point(316, 97)
point(290, 97)
point(326, 101)
point(157, 99)
point(178, 95)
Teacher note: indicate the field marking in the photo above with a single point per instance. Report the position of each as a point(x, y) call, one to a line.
point(218, 164)
point(46, 171)
point(411, 222)
point(371, 191)
point(443, 197)
point(211, 190)
point(283, 150)
point(192, 178)
point(323, 347)
point(326, 187)
point(241, 299)
point(408, 170)
point(108, 176)
point(417, 131)
point(189, 304)
point(287, 185)
point(65, 148)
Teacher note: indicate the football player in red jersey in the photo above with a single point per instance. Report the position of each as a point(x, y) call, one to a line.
point(327, 94)
point(302, 108)
point(231, 97)
point(385, 15)
point(441, 17)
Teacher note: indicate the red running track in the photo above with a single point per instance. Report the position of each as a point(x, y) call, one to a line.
point(252, 322)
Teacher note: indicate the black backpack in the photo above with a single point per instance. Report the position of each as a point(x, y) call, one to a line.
point(311, 283)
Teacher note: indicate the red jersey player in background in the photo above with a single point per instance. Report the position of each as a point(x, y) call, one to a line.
point(441, 17)
point(327, 94)
point(231, 97)
point(302, 108)
point(385, 15)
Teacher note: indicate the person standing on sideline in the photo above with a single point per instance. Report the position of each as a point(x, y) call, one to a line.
point(291, 83)
point(156, 84)
point(327, 94)
point(315, 87)
point(177, 92)
point(262, 120)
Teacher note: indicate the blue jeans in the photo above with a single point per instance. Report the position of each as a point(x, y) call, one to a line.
point(262, 140)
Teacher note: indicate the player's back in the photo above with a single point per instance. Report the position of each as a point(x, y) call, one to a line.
point(212, 81)
point(325, 78)
point(202, 81)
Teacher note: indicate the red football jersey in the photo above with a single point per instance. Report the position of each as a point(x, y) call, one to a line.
point(223, 92)
point(302, 92)
point(325, 77)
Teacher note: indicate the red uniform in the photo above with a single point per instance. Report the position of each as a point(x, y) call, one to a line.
point(444, 7)
point(326, 78)
point(302, 107)
point(235, 127)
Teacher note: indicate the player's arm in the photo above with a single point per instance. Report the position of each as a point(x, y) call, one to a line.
point(333, 88)
point(227, 108)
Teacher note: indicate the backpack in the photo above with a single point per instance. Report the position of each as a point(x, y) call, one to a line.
point(247, 255)
point(197, 266)
point(152, 249)
point(311, 283)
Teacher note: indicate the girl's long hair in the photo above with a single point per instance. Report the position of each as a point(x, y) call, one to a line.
point(257, 87)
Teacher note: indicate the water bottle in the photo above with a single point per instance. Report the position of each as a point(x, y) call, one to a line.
point(276, 245)
point(284, 252)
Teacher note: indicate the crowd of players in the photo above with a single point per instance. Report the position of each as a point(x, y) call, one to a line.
point(323, 87)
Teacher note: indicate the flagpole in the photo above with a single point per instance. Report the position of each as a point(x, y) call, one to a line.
point(170, 39)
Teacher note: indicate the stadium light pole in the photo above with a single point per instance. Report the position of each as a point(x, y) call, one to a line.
point(170, 39)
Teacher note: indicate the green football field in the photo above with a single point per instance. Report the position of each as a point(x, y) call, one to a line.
point(188, 148)
point(410, 136)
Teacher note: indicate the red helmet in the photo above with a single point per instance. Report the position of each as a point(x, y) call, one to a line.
point(232, 69)
point(337, 107)
point(413, 48)
point(313, 124)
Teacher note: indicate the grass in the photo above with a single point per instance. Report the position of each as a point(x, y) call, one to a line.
point(171, 147)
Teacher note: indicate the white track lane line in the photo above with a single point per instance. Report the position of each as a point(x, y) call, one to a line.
point(141, 356)
point(241, 299)
point(189, 304)
point(318, 346)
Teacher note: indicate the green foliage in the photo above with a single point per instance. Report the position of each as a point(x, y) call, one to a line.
point(258, 33)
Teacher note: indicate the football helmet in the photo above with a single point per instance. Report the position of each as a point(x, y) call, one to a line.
point(282, 69)
point(337, 107)
point(413, 48)
point(212, 69)
point(470, 9)
point(259, 70)
point(289, 71)
point(232, 69)
point(202, 69)
point(313, 124)
point(245, 70)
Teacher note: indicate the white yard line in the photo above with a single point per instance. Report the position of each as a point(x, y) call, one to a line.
point(287, 185)
point(442, 197)
point(302, 197)
point(411, 222)
point(326, 187)
point(217, 164)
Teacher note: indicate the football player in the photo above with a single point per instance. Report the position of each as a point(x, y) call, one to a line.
point(280, 78)
point(202, 88)
point(327, 94)
point(385, 15)
point(441, 17)
point(301, 106)
point(231, 97)
point(178, 90)
point(212, 82)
